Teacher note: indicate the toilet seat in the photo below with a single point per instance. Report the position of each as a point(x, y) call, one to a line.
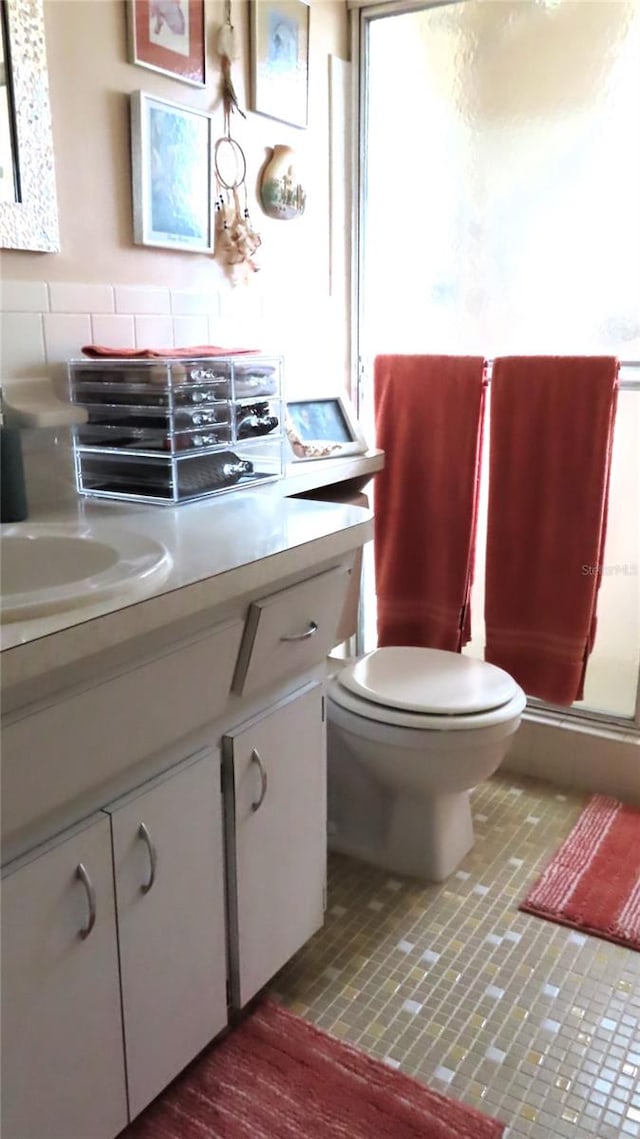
point(428, 689)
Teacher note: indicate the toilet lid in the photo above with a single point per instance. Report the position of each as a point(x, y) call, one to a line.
point(430, 681)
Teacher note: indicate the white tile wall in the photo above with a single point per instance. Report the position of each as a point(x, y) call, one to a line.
point(189, 330)
point(24, 296)
point(113, 331)
point(64, 297)
point(43, 324)
point(154, 331)
point(215, 332)
point(64, 335)
point(188, 303)
point(21, 344)
point(134, 299)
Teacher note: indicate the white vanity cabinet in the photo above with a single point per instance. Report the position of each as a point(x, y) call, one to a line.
point(168, 868)
point(275, 818)
point(83, 970)
point(192, 884)
point(63, 1069)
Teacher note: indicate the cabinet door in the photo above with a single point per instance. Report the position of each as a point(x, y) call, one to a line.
point(170, 903)
point(62, 1058)
point(275, 804)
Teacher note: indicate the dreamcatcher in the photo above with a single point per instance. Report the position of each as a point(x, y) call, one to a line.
point(236, 239)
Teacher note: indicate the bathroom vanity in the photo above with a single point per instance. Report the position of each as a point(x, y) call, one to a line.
point(164, 798)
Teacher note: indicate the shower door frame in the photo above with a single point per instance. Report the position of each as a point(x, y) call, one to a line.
point(361, 15)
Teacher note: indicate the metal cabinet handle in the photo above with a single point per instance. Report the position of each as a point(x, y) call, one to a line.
point(143, 833)
point(255, 758)
point(313, 628)
point(82, 876)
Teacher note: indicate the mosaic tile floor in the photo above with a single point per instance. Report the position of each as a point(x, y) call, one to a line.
point(526, 1020)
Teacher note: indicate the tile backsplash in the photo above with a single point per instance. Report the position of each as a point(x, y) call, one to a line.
point(43, 324)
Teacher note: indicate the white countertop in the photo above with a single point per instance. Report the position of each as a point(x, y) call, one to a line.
point(220, 548)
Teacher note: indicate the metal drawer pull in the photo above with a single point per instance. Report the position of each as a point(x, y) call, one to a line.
point(82, 876)
point(255, 758)
point(313, 628)
point(143, 833)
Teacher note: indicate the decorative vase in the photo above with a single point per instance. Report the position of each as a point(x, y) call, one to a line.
point(281, 194)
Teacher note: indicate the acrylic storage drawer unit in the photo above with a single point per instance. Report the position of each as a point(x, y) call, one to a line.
point(170, 431)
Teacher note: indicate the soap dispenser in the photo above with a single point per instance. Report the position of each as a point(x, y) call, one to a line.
point(13, 495)
point(27, 403)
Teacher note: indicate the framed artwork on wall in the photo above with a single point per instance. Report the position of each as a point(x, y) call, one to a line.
point(280, 59)
point(323, 427)
point(171, 174)
point(169, 36)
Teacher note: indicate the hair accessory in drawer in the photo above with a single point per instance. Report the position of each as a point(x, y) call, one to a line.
point(254, 419)
point(214, 472)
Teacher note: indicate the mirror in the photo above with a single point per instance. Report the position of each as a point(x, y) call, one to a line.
point(28, 207)
point(9, 191)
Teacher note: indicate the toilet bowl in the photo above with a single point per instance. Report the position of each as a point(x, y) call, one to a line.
point(410, 731)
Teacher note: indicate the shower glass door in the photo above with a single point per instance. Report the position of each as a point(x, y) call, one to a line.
point(500, 182)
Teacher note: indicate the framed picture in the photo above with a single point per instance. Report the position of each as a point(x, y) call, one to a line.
point(171, 174)
point(280, 59)
point(323, 427)
point(169, 36)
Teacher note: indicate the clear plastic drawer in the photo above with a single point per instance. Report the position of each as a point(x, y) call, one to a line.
point(177, 477)
point(172, 430)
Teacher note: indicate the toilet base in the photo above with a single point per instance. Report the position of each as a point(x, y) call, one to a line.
point(429, 838)
point(424, 838)
point(399, 777)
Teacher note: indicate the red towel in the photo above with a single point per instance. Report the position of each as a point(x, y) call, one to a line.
point(200, 350)
point(551, 434)
point(429, 423)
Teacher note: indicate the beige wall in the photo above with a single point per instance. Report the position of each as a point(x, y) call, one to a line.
point(90, 80)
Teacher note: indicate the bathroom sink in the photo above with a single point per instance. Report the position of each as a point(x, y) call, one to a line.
point(44, 569)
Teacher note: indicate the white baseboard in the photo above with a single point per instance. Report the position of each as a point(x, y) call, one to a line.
point(587, 758)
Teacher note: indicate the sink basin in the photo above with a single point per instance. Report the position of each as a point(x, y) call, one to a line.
point(45, 569)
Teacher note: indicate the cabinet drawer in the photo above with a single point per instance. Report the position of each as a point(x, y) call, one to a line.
point(97, 733)
point(290, 631)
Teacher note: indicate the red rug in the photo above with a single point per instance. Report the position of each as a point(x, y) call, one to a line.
point(278, 1077)
point(593, 882)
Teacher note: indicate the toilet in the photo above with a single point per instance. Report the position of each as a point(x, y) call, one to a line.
point(410, 731)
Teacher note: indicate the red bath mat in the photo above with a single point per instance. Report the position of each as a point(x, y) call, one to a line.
point(593, 882)
point(278, 1077)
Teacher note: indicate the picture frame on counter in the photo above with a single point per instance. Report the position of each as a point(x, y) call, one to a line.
point(169, 36)
point(323, 427)
point(280, 59)
point(171, 172)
